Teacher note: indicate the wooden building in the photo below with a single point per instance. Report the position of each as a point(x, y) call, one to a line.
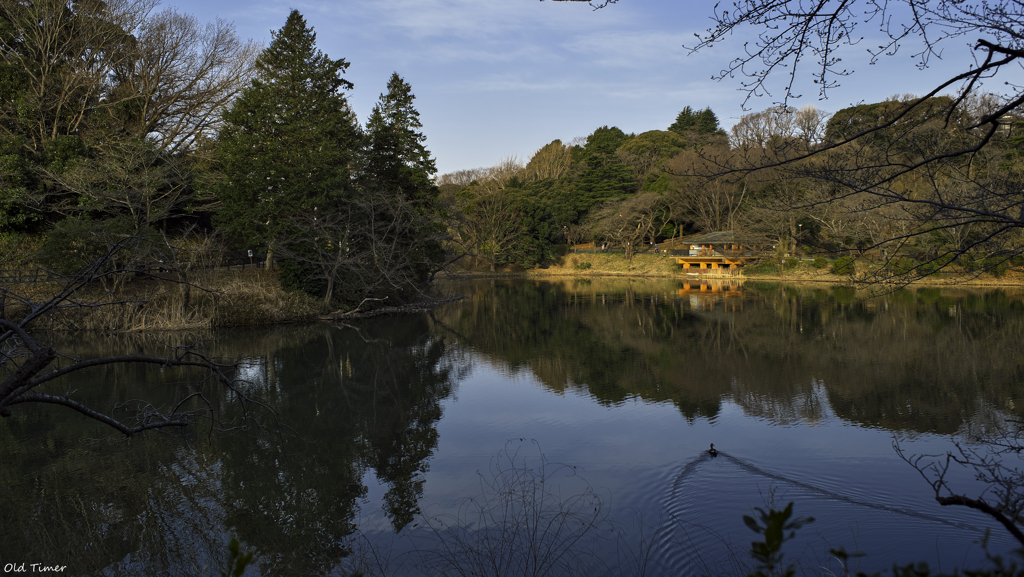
point(720, 252)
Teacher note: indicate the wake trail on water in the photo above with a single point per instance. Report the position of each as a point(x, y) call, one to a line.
point(681, 544)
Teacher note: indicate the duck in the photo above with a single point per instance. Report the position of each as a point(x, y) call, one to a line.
point(712, 451)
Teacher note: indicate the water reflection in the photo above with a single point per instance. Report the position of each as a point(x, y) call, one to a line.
point(918, 360)
point(345, 400)
point(369, 399)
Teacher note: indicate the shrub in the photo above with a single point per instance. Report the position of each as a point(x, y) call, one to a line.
point(582, 265)
point(934, 266)
point(791, 263)
point(900, 266)
point(996, 266)
point(75, 244)
point(968, 263)
point(766, 267)
point(844, 265)
point(819, 262)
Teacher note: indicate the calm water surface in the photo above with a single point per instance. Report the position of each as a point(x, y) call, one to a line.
point(411, 445)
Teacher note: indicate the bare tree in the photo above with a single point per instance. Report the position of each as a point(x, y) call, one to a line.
point(765, 128)
point(499, 175)
point(628, 223)
point(130, 177)
point(66, 53)
point(151, 75)
point(460, 178)
point(713, 203)
point(491, 227)
point(553, 160)
point(182, 75)
point(992, 458)
point(838, 220)
point(576, 234)
point(810, 123)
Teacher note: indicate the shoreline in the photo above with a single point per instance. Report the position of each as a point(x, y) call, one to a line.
point(591, 265)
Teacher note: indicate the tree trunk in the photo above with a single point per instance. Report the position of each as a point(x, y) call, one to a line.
point(269, 264)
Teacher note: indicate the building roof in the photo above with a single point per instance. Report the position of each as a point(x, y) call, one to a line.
point(717, 237)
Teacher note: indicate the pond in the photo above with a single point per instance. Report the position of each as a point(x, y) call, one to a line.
point(538, 425)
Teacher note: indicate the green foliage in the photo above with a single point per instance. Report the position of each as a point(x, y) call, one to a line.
point(659, 183)
point(844, 265)
point(14, 166)
point(288, 140)
point(61, 152)
point(901, 266)
point(819, 262)
point(968, 262)
point(775, 527)
point(603, 183)
point(583, 265)
point(238, 560)
point(658, 144)
point(75, 244)
point(297, 274)
point(935, 265)
point(396, 157)
point(699, 122)
point(764, 267)
point(996, 266)
point(604, 177)
point(791, 263)
point(853, 120)
point(603, 142)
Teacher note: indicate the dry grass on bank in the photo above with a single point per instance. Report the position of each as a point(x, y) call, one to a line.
point(573, 264)
point(664, 266)
point(211, 300)
point(579, 264)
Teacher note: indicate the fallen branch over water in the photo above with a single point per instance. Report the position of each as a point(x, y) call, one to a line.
point(417, 307)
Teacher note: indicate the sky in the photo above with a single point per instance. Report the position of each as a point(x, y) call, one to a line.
point(495, 78)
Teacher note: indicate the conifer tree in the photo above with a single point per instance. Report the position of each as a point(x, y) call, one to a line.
point(288, 141)
point(700, 122)
point(396, 156)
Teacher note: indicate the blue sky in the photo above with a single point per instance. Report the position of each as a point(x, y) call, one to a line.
point(499, 77)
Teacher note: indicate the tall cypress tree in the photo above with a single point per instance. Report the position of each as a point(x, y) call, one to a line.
point(396, 156)
point(288, 142)
point(398, 164)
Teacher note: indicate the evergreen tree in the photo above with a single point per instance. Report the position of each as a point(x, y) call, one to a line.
point(396, 156)
point(699, 122)
point(398, 165)
point(288, 142)
point(605, 176)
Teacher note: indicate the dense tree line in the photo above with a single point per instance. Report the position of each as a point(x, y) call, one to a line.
point(779, 178)
point(118, 121)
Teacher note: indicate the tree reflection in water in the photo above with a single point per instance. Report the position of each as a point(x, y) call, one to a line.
point(349, 399)
point(365, 398)
point(916, 360)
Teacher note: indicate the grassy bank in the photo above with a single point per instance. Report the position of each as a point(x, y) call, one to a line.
point(799, 271)
point(210, 300)
point(215, 299)
point(582, 264)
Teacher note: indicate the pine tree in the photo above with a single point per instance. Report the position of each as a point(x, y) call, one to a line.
point(288, 142)
point(396, 156)
point(700, 122)
point(398, 165)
